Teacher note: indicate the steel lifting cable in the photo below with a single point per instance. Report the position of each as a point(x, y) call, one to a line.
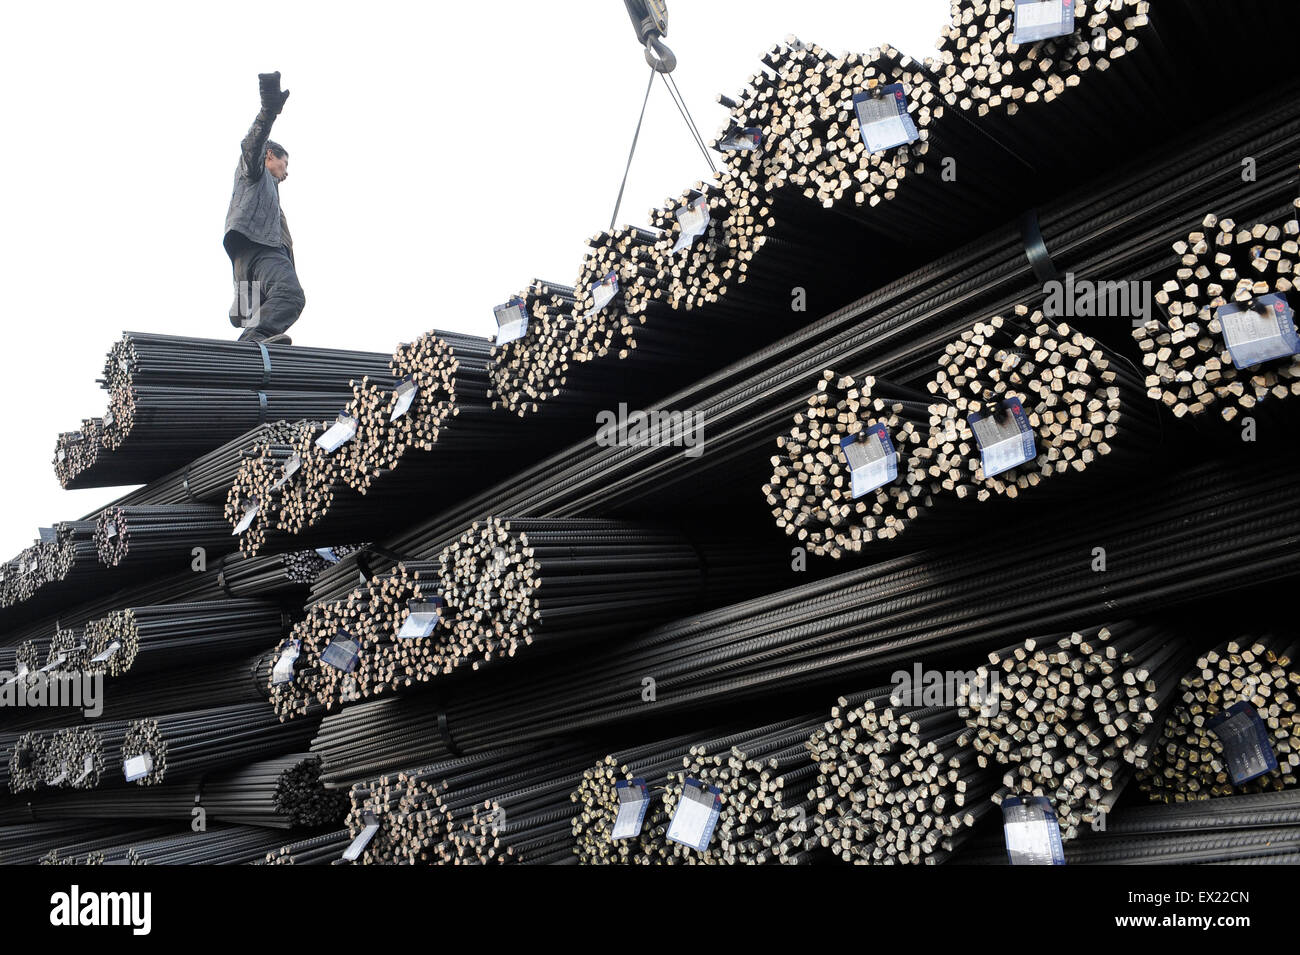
point(632, 152)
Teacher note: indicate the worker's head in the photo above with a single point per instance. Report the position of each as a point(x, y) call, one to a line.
point(277, 161)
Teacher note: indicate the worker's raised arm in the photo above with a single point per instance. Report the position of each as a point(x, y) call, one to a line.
point(252, 151)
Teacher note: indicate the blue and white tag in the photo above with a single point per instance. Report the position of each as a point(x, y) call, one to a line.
point(111, 531)
point(1259, 330)
point(512, 320)
point(250, 515)
point(290, 467)
point(403, 397)
point(338, 434)
point(696, 816)
point(357, 846)
point(327, 553)
point(107, 653)
point(693, 220)
point(1032, 833)
point(137, 767)
point(633, 800)
point(1245, 742)
point(871, 457)
point(603, 293)
point(421, 619)
point(1005, 441)
point(1042, 19)
point(342, 652)
point(883, 120)
point(742, 139)
point(282, 672)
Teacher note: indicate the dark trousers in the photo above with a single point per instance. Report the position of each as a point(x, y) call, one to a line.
point(268, 298)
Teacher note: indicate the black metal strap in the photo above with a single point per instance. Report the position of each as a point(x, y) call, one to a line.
point(445, 730)
point(189, 491)
point(266, 364)
point(367, 568)
point(1036, 249)
point(261, 407)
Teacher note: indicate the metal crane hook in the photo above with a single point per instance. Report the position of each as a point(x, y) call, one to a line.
point(657, 54)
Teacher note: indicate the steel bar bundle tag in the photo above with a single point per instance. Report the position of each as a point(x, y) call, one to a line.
point(340, 433)
point(328, 554)
point(250, 514)
point(137, 767)
point(696, 815)
point(745, 139)
point(1259, 330)
point(604, 292)
point(342, 652)
point(1005, 440)
point(282, 672)
point(1245, 742)
point(1032, 832)
point(358, 845)
point(871, 458)
point(633, 800)
point(512, 320)
point(694, 221)
point(107, 653)
point(403, 397)
point(1042, 19)
point(422, 618)
point(883, 121)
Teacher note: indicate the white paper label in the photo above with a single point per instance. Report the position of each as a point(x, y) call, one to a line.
point(341, 654)
point(693, 822)
point(328, 554)
point(880, 123)
point(1042, 19)
point(358, 845)
point(245, 522)
point(404, 397)
point(282, 672)
point(1260, 332)
point(693, 220)
point(107, 653)
point(1005, 440)
point(420, 621)
point(87, 767)
point(604, 292)
point(340, 433)
point(870, 464)
point(137, 767)
point(632, 803)
point(512, 321)
point(111, 531)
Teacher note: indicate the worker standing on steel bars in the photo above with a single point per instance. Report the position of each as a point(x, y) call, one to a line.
point(268, 298)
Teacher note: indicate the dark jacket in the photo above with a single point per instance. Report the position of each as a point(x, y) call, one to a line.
point(255, 203)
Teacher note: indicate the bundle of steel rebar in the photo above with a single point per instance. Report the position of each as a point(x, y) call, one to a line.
point(1071, 717)
point(176, 637)
point(526, 371)
point(162, 535)
point(317, 850)
point(831, 504)
point(279, 793)
point(1224, 268)
point(894, 783)
point(761, 775)
point(281, 575)
point(1081, 401)
point(449, 373)
point(1180, 537)
point(26, 844)
point(1189, 762)
point(218, 845)
point(181, 745)
point(1260, 829)
point(1115, 229)
point(76, 757)
point(507, 805)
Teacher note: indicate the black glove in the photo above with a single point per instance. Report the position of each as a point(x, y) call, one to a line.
point(268, 85)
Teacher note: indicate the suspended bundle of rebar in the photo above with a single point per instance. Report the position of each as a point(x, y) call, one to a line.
point(449, 372)
point(1189, 761)
point(894, 784)
point(181, 745)
point(1070, 717)
point(180, 636)
point(1189, 368)
point(1180, 537)
point(527, 371)
point(897, 330)
point(160, 535)
point(813, 492)
point(279, 793)
point(1081, 401)
point(1260, 829)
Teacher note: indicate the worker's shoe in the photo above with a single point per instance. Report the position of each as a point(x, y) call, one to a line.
point(280, 339)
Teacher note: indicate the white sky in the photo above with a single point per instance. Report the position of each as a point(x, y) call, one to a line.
point(441, 156)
